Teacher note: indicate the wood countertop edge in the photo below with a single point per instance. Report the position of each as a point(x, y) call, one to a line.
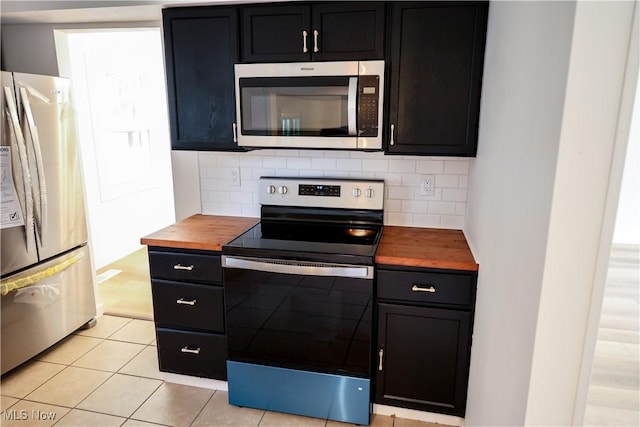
point(426, 263)
point(181, 244)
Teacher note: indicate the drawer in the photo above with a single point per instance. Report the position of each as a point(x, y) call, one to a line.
point(192, 353)
point(187, 305)
point(185, 267)
point(426, 287)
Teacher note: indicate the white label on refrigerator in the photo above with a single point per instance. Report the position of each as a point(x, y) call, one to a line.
point(10, 212)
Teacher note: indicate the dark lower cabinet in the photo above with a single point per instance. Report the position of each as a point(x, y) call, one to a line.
point(436, 58)
point(424, 321)
point(201, 47)
point(188, 311)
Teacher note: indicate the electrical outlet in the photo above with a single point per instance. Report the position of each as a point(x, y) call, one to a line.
point(427, 185)
point(234, 177)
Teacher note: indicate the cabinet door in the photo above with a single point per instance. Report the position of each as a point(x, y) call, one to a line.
point(275, 33)
point(423, 358)
point(348, 31)
point(200, 50)
point(437, 57)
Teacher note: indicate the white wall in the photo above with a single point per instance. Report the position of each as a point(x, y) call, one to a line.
point(535, 202)
point(116, 224)
point(403, 203)
point(509, 200)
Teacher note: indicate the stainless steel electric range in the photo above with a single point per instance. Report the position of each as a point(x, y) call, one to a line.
point(298, 299)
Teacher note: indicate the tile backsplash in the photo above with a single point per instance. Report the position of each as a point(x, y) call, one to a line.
point(229, 181)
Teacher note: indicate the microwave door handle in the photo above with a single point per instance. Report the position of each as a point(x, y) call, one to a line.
point(352, 110)
point(17, 141)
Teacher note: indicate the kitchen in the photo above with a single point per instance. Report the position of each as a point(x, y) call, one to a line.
point(529, 138)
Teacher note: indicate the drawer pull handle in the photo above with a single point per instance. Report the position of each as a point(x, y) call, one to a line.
point(182, 301)
point(416, 288)
point(380, 354)
point(186, 349)
point(183, 267)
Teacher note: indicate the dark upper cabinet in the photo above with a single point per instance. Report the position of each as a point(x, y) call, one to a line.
point(436, 59)
point(318, 32)
point(201, 46)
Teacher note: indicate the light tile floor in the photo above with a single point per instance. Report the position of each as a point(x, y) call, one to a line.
point(108, 376)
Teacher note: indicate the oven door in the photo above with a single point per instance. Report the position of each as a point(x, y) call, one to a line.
point(299, 315)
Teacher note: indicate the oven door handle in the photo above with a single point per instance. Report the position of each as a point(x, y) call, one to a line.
point(298, 267)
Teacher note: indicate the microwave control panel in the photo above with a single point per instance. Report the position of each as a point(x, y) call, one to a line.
point(368, 93)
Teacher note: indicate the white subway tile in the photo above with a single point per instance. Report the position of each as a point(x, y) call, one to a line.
point(411, 180)
point(454, 194)
point(337, 154)
point(393, 218)
point(240, 197)
point(375, 165)
point(274, 162)
point(463, 181)
point(302, 163)
point(389, 178)
point(348, 165)
point(460, 167)
point(447, 181)
point(230, 209)
point(251, 211)
point(402, 193)
point(336, 174)
point(429, 166)
point(452, 221)
point(206, 158)
point(219, 197)
point(424, 220)
point(461, 208)
point(391, 205)
point(250, 161)
point(402, 166)
point(323, 164)
point(414, 206)
point(227, 159)
point(442, 208)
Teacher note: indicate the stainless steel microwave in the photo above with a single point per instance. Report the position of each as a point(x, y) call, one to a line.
point(330, 105)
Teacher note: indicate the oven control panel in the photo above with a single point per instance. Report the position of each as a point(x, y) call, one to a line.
point(322, 192)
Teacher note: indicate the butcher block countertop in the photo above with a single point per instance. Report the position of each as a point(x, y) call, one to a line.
point(203, 232)
point(403, 246)
point(425, 247)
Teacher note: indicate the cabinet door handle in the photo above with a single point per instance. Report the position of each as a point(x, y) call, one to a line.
point(393, 128)
point(186, 349)
point(380, 354)
point(416, 288)
point(315, 41)
point(235, 132)
point(183, 267)
point(304, 41)
point(183, 302)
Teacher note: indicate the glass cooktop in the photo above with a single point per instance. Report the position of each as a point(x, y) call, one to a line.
point(321, 242)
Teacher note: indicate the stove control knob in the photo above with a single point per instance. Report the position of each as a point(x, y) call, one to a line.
point(368, 193)
point(271, 189)
point(356, 192)
point(282, 189)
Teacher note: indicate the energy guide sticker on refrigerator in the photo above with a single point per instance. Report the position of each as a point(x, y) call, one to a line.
point(10, 212)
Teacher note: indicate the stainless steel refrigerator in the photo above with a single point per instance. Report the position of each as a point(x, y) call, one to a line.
point(46, 280)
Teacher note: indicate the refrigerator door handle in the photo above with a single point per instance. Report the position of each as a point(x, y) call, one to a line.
point(40, 211)
point(17, 142)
